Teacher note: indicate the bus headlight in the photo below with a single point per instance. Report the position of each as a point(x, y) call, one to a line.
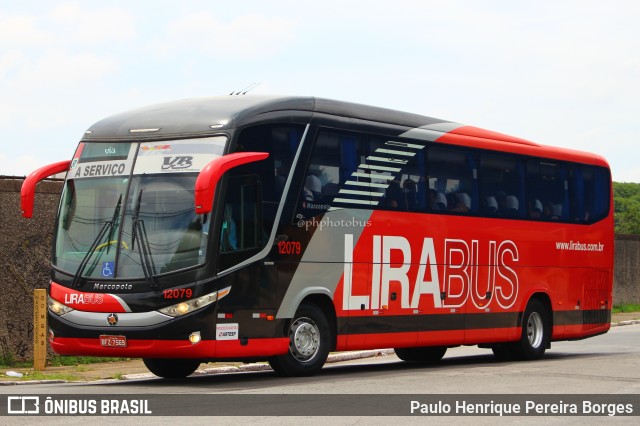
point(57, 307)
point(188, 306)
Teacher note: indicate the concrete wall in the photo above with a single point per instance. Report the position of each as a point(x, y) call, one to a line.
point(25, 259)
point(25, 256)
point(626, 278)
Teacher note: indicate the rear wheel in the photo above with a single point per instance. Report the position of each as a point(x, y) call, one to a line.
point(425, 354)
point(171, 368)
point(536, 332)
point(310, 339)
point(534, 338)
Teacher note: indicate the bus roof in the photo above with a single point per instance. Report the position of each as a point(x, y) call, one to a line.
point(202, 116)
point(206, 115)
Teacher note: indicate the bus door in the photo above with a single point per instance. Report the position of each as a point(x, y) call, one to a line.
point(242, 237)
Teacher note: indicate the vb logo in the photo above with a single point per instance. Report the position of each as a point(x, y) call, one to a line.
point(182, 162)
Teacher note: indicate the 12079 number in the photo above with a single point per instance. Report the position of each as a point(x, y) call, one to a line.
point(177, 293)
point(289, 247)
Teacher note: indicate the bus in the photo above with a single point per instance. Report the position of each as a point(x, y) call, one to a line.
point(280, 229)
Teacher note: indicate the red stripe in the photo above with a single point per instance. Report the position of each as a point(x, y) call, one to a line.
point(376, 341)
point(425, 338)
point(582, 331)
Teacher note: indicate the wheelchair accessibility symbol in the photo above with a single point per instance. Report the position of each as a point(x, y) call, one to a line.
point(107, 269)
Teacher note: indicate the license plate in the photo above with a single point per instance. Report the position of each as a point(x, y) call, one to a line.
point(113, 341)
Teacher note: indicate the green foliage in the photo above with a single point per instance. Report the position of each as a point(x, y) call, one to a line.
point(7, 360)
point(57, 361)
point(626, 198)
point(629, 307)
point(43, 375)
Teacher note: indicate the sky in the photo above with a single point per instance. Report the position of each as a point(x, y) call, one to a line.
point(563, 72)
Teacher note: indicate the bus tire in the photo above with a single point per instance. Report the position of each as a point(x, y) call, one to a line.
point(310, 340)
point(424, 354)
point(536, 332)
point(171, 368)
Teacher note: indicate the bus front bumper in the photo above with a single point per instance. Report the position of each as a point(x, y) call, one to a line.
point(205, 349)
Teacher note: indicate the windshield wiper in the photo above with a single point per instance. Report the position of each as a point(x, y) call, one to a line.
point(108, 226)
point(146, 260)
point(136, 214)
point(140, 232)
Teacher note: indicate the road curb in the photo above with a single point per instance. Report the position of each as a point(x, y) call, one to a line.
point(628, 322)
point(244, 368)
point(34, 382)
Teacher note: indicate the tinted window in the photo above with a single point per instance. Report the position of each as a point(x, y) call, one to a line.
point(547, 190)
point(501, 185)
point(589, 193)
point(405, 163)
point(452, 182)
point(334, 175)
point(281, 142)
point(358, 171)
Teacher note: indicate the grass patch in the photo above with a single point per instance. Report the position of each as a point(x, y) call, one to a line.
point(61, 361)
point(628, 307)
point(57, 361)
point(39, 375)
point(10, 362)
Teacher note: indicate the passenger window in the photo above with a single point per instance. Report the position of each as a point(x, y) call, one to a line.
point(334, 176)
point(452, 180)
point(404, 163)
point(355, 171)
point(281, 141)
point(589, 193)
point(547, 189)
point(501, 186)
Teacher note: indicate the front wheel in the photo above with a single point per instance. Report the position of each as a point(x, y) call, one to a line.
point(170, 368)
point(310, 338)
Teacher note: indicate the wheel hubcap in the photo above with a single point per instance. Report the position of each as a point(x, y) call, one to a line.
point(535, 330)
point(305, 339)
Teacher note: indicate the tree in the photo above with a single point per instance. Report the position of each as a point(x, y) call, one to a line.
point(628, 222)
point(627, 207)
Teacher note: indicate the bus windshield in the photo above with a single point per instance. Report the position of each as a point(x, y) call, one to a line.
point(161, 230)
point(117, 220)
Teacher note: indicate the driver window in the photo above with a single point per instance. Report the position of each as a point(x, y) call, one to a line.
point(240, 235)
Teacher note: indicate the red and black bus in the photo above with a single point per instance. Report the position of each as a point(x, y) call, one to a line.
point(283, 228)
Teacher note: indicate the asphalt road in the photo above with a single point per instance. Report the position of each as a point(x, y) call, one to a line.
point(607, 364)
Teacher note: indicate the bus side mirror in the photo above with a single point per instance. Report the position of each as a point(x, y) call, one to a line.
point(28, 190)
point(213, 171)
